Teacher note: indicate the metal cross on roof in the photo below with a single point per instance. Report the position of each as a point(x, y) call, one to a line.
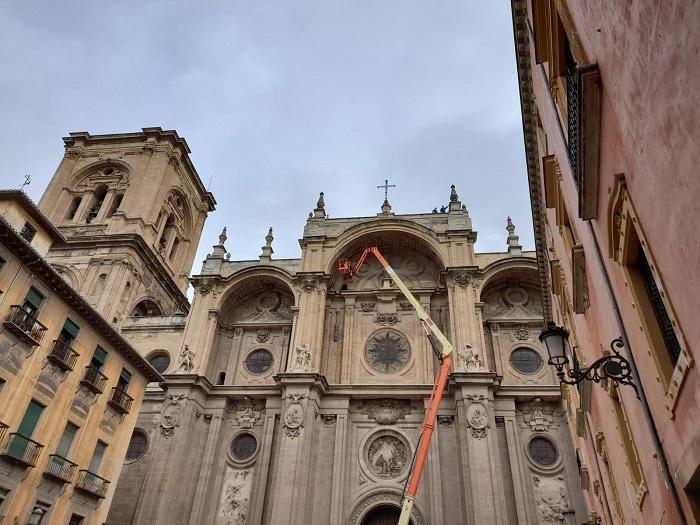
point(386, 187)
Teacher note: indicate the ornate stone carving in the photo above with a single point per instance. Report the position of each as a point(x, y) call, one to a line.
point(302, 359)
point(538, 421)
point(329, 419)
point(247, 411)
point(387, 455)
point(387, 319)
point(235, 498)
point(470, 360)
point(477, 419)
point(522, 333)
point(386, 411)
point(462, 279)
point(204, 288)
point(171, 414)
point(294, 415)
point(263, 334)
point(368, 307)
point(309, 285)
point(550, 496)
point(185, 363)
point(405, 305)
point(445, 421)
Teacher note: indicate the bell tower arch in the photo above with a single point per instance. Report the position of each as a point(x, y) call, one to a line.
point(132, 208)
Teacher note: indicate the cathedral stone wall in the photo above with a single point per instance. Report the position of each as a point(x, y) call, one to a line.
point(297, 396)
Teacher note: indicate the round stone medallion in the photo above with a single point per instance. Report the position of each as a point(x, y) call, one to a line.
point(387, 455)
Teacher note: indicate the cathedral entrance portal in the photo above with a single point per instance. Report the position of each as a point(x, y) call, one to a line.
point(383, 515)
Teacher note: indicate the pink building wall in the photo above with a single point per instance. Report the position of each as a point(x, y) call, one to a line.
point(648, 54)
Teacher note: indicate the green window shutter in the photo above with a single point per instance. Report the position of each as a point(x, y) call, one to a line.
point(71, 328)
point(124, 377)
point(34, 298)
point(30, 419)
point(99, 357)
point(97, 457)
point(66, 440)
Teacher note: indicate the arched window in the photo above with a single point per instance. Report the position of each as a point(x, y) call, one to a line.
point(167, 231)
point(116, 202)
point(73, 208)
point(173, 250)
point(160, 360)
point(146, 308)
point(98, 199)
point(138, 445)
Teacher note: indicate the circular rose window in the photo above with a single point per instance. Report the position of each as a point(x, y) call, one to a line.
point(258, 361)
point(387, 351)
point(542, 451)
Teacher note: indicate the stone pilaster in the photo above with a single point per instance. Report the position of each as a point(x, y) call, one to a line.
point(310, 320)
point(301, 393)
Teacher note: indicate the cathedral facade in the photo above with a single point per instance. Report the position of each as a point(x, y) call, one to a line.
point(293, 395)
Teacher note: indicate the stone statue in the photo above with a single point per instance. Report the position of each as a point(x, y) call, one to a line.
point(186, 360)
point(470, 359)
point(302, 359)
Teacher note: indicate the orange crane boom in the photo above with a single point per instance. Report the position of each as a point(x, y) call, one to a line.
point(442, 352)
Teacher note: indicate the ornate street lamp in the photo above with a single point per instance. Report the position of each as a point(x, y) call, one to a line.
point(613, 367)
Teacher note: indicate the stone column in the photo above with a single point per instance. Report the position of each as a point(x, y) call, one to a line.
point(340, 458)
point(209, 457)
point(81, 212)
point(106, 205)
point(262, 467)
point(301, 393)
point(462, 307)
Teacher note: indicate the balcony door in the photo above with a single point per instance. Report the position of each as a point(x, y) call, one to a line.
point(18, 447)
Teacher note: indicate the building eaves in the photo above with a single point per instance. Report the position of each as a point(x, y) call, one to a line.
point(48, 275)
point(523, 61)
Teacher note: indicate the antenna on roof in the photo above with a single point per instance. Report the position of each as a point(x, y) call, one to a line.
point(27, 181)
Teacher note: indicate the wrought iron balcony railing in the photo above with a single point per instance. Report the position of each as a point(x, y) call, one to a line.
point(573, 117)
point(92, 483)
point(62, 355)
point(3, 429)
point(94, 379)
point(120, 400)
point(60, 469)
point(21, 449)
point(24, 325)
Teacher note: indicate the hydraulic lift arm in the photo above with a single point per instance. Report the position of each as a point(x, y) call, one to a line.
point(442, 351)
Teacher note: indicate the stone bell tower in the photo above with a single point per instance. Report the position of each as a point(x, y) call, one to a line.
point(132, 208)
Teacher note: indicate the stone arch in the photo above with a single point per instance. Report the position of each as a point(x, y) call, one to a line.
point(381, 497)
point(146, 307)
point(387, 232)
point(241, 278)
point(70, 275)
point(98, 173)
point(509, 268)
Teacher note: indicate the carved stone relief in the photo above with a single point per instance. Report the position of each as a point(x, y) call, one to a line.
point(171, 414)
point(537, 415)
point(270, 305)
point(263, 335)
point(389, 319)
point(445, 421)
point(329, 419)
point(185, 363)
point(309, 285)
point(550, 496)
point(477, 419)
point(294, 415)
point(235, 497)
point(386, 411)
point(247, 411)
point(386, 455)
point(521, 332)
point(368, 307)
point(511, 301)
point(462, 279)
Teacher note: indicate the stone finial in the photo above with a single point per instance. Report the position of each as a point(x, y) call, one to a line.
point(267, 250)
point(514, 248)
point(386, 207)
point(219, 249)
point(320, 210)
point(455, 204)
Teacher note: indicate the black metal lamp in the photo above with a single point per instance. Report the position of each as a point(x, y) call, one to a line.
point(613, 367)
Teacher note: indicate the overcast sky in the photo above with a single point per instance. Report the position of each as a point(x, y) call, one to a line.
point(278, 101)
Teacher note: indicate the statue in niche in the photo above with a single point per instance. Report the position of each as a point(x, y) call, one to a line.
point(470, 359)
point(186, 360)
point(302, 358)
